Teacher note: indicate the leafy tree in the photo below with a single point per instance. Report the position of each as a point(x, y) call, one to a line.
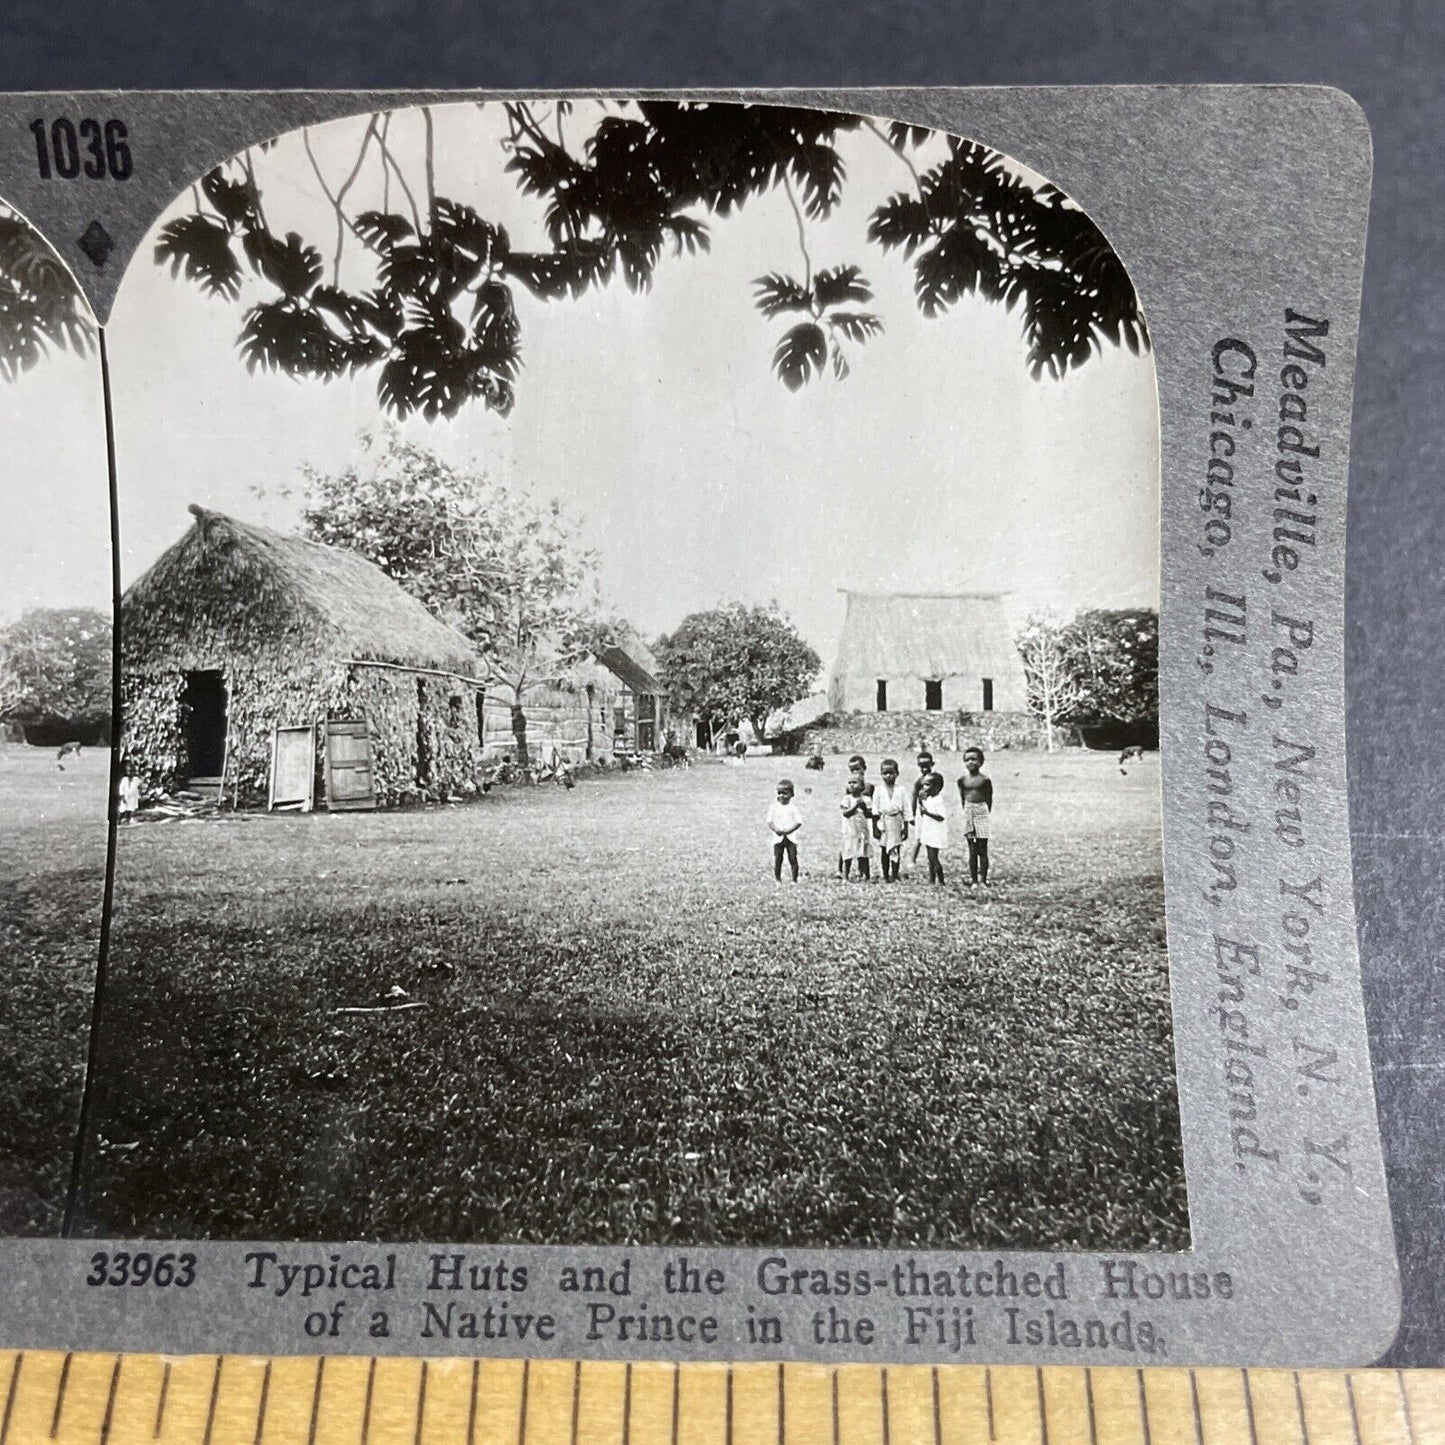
point(62, 657)
point(41, 307)
point(12, 687)
point(736, 662)
point(434, 313)
point(1115, 659)
point(508, 573)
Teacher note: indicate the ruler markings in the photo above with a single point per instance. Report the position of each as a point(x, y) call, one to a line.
point(420, 1404)
point(10, 1397)
point(366, 1403)
point(1194, 1403)
point(101, 1399)
point(261, 1404)
point(316, 1401)
point(1405, 1406)
point(109, 1418)
point(60, 1394)
point(1354, 1409)
point(164, 1393)
point(211, 1404)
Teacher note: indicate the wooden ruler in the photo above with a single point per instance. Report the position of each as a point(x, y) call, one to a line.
point(238, 1400)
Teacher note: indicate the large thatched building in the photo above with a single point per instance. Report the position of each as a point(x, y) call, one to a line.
point(237, 631)
point(927, 652)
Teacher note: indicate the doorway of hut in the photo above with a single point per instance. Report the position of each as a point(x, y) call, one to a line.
point(203, 717)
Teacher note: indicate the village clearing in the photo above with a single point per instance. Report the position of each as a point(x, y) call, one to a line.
point(52, 881)
point(593, 1016)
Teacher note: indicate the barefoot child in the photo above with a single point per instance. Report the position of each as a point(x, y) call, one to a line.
point(858, 768)
point(925, 769)
point(891, 806)
point(975, 792)
point(853, 841)
point(784, 820)
point(932, 825)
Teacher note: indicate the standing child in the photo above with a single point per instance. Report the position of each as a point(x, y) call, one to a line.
point(925, 770)
point(784, 820)
point(853, 841)
point(891, 805)
point(858, 768)
point(975, 792)
point(932, 825)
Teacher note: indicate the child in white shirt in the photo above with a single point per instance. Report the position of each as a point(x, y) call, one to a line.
point(933, 825)
point(784, 820)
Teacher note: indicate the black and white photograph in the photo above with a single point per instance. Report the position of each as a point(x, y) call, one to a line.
point(639, 694)
point(55, 716)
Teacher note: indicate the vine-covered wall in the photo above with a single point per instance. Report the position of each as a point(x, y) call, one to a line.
point(423, 728)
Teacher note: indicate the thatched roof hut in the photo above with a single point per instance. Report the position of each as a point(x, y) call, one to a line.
point(926, 652)
point(237, 630)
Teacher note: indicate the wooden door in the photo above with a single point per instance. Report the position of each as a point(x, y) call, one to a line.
point(350, 785)
point(293, 768)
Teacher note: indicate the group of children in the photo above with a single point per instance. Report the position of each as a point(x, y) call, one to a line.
point(881, 817)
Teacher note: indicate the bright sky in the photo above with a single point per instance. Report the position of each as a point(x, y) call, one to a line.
point(938, 464)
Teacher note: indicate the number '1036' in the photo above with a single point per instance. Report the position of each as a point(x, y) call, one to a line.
point(67, 149)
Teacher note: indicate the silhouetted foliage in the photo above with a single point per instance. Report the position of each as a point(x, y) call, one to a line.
point(437, 322)
point(41, 308)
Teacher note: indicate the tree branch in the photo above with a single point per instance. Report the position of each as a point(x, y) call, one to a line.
point(341, 197)
point(802, 239)
point(431, 174)
point(401, 180)
point(255, 189)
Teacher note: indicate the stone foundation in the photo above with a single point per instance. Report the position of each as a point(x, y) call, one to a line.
point(904, 733)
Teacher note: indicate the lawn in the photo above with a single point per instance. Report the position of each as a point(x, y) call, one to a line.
point(622, 1030)
point(52, 884)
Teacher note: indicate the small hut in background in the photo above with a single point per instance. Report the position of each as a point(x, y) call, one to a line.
point(639, 719)
point(610, 703)
point(927, 652)
point(237, 631)
point(572, 713)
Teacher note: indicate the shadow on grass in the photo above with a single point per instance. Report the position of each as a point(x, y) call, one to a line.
point(766, 1079)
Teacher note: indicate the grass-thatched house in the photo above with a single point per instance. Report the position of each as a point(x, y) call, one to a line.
point(927, 652)
point(608, 704)
point(237, 630)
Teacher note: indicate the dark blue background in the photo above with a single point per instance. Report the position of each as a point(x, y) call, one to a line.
point(1390, 55)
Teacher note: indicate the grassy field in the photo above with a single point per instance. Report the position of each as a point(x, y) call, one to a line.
point(52, 881)
point(627, 1032)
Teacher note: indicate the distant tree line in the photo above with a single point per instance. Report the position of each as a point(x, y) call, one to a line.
point(1098, 670)
point(55, 675)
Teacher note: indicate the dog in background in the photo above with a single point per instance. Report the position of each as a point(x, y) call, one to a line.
point(67, 750)
point(1128, 756)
